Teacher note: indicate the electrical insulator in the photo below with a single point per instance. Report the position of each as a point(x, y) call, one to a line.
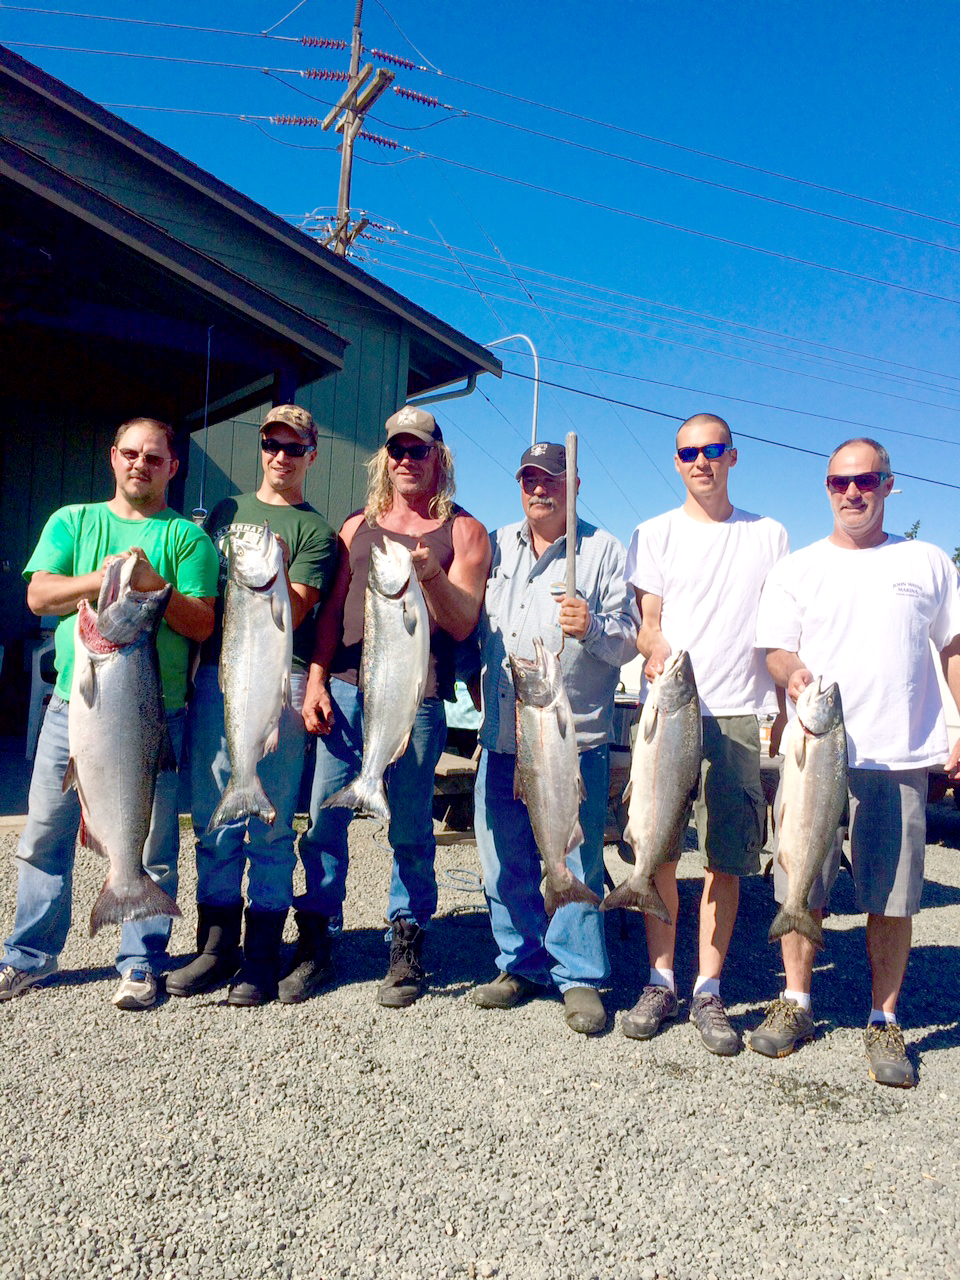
point(380, 141)
point(392, 57)
point(417, 97)
point(311, 121)
point(320, 73)
point(322, 42)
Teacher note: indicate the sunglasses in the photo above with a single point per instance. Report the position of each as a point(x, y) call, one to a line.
point(710, 451)
point(273, 447)
point(866, 481)
point(151, 459)
point(415, 452)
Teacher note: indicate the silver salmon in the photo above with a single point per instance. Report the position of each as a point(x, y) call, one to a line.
point(393, 673)
point(813, 792)
point(256, 660)
point(664, 775)
point(119, 740)
point(547, 777)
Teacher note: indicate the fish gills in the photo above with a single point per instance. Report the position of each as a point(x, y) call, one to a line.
point(664, 776)
point(813, 793)
point(547, 776)
point(393, 674)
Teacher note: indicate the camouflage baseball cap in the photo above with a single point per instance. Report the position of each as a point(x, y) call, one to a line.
point(411, 421)
point(297, 419)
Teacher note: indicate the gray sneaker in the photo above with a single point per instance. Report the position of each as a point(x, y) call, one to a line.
point(644, 1020)
point(710, 1018)
point(784, 1028)
point(17, 982)
point(887, 1053)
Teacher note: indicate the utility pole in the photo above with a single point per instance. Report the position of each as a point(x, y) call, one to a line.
point(354, 106)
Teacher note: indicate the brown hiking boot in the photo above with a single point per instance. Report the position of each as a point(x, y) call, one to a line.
point(405, 978)
point(785, 1026)
point(887, 1053)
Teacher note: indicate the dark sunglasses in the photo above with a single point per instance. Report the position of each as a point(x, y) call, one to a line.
point(710, 451)
point(866, 481)
point(273, 447)
point(415, 452)
point(151, 459)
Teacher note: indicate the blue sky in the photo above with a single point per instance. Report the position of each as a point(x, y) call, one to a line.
point(614, 229)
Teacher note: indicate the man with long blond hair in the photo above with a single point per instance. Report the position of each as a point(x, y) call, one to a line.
point(409, 499)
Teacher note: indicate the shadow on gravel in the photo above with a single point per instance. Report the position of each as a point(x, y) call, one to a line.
point(81, 977)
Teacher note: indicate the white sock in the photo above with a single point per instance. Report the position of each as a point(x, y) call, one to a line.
point(662, 978)
point(878, 1015)
point(798, 997)
point(706, 986)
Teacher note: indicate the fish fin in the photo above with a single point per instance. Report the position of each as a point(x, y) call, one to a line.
point(220, 677)
point(286, 697)
point(648, 724)
point(577, 891)
point(89, 839)
point(86, 680)
point(802, 921)
point(276, 611)
point(647, 900)
point(69, 775)
point(581, 789)
point(563, 720)
point(518, 785)
point(627, 791)
point(399, 751)
point(271, 741)
point(238, 802)
point(364, 796)
point(576, 838)
point(146, 901)
point(410, 619)
point(800, 748)
point(167, 762)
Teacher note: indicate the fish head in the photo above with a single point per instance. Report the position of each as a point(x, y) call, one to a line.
point(675, 686)
point(254, 560)
point(820, 710)
point(391, 567)
point(122, 614)
point(537, 680)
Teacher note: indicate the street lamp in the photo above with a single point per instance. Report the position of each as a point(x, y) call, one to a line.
point(497, 342)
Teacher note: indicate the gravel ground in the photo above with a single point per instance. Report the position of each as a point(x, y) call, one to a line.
point(339, 1139)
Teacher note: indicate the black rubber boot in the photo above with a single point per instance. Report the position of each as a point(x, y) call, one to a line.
point(256, 983)
point(218, 947)
point(312, 967)
point(405, 978)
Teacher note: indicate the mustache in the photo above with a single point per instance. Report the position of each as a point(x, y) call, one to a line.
point(550, 503)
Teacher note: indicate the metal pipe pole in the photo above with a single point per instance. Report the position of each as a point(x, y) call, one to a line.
point(497, 342)
point(571, 585)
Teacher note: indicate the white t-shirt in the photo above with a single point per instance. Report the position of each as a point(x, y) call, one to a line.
point(709, 576)
point(866, 618)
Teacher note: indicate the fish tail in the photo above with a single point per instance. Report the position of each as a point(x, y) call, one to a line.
point(364, 795)
point(802, 921)
point(246, 801)
point(647, 900)
point(577, 891)
point(146, 901)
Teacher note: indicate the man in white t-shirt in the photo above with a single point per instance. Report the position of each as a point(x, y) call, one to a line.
point(862, 607)
point(697, 572)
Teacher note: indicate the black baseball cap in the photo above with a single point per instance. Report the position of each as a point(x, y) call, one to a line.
point(551, 458)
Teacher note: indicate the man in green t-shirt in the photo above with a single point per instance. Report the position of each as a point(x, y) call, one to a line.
point(65, 568)
point(288, 443)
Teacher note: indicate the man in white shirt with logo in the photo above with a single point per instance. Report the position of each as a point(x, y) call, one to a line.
point(861, 607)
point(697, 572)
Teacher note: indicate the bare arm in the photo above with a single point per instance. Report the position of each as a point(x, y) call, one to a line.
point(302, 600)
point(788, 672)
point(651, 641)
point(950, 659)
point(317, 707)
point(454, 599)
point(59, 594)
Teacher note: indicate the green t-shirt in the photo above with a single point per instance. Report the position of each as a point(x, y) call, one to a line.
point(313, 548)
point(75, 541)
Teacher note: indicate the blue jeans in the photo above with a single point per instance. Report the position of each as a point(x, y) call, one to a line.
point(569, 949)
point(323, 847)
point(222, 854)
point(47, 849)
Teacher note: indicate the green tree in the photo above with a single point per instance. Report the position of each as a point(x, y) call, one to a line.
point(912, 532)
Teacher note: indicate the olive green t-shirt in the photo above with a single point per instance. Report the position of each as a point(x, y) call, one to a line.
point(76, 539)
point(313, 547)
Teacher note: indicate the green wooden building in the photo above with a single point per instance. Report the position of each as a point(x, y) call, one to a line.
point(132, 282)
